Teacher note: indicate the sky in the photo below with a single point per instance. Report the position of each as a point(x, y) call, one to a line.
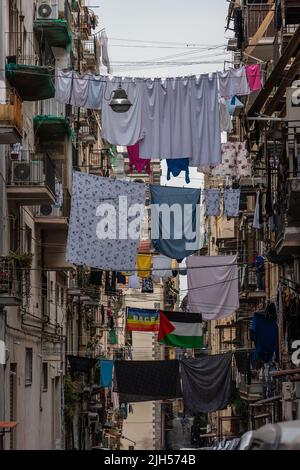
point(133, 26)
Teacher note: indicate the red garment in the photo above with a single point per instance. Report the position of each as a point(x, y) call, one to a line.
point(135, 160)
point(253, 76)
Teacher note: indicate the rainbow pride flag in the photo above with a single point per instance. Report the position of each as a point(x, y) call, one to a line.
point(142, 319)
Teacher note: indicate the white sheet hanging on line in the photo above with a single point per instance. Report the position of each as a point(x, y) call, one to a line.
point(104, 51)
point(123, 128)
point(181, 119)
point(233, 82)
point(79, 90)
point(213, 285)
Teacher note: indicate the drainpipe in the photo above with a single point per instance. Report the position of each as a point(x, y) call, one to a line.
point(2, 376)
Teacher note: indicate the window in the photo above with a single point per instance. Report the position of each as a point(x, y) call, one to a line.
point(28, 366)
point(45, 376)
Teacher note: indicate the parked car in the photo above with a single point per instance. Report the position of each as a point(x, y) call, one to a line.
point(277, 436)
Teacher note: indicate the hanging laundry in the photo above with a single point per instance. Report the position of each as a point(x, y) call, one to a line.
point(257, 223)
point(147, 285)
point(175, 235)
point(212, 198)
point(144, 265)
point(225, 119)
point(253, 76)
point(104, 51)
point(112, 337)
point(102, 312)
point(206, 382)
point(176, 166)
point(121, 279)
point(78, 90)
point(107, 243)
point(238, 26)
point(141, 165)
point(213, 285)
point(278, 15)
point(106, 372)
point(161, 267)
point(134, 281)
point(96, 277)
point(233, 104)
point(269, 201)
point(110, 282)
point(236, 161)
point(233, 82)
point(181, 330)
point(142, 319)
point(181, 119)
point(81, 364)
point(111, 322)
point(228, 166)
point(243, 160)
point(123, 128)
point(138, 381)
point(243, 364)
point(265, 335)
point(232, 202)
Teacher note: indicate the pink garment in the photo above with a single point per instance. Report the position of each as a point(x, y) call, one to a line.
point(136, 161)
point(213, 286)
point(253, 76)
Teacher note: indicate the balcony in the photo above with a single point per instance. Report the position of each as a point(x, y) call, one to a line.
point(56, 29)
point(91, 54)
point(251, 392)
point(50, 217)
point(50, 127)
point(292, 12)
point(31, 182)
point(10, 284)
point(259, 24)
point(288, 227)
point(11, 121)
point(248, 285)
point(24, 70)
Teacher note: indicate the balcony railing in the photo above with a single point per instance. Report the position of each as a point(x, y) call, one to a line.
point(24, 49)
point(10, 279)
point(10, 110)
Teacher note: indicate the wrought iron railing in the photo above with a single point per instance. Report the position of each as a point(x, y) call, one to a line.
point(10, 278)
point(24, 49)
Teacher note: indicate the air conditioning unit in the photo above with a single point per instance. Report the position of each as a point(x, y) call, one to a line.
point(47, 10)
point(46, 210)
point(27, 173)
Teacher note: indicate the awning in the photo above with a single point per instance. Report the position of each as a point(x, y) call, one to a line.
point(7, 426)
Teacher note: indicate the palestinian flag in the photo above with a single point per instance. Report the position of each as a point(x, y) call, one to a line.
point(181, 330)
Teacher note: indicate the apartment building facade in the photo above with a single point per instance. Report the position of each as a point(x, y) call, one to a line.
point(40, 142)
point(264, 33)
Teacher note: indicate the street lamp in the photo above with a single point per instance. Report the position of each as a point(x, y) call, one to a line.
point(120, 102)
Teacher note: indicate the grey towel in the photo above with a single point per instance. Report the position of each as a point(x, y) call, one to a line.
point(206, 382)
